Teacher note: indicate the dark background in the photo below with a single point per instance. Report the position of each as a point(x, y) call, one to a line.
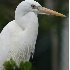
point(50, 43)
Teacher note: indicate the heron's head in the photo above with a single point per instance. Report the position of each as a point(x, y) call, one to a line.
point(33, 6)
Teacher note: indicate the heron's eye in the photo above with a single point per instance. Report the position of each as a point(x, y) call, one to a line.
point(33, 6)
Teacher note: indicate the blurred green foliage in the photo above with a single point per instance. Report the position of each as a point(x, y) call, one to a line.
point(11, 65)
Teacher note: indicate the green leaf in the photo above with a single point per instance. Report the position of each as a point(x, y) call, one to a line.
point(27, 66)
point(11, 65)
point(21, 66)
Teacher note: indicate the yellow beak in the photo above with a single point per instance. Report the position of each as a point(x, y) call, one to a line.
point(48, 11)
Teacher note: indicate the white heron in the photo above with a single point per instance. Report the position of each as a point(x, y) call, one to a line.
point(18, 37)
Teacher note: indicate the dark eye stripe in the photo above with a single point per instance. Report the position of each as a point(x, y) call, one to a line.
point(32, 5)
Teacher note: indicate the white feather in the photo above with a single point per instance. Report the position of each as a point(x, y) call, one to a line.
point(18, 37)
point(29, 0)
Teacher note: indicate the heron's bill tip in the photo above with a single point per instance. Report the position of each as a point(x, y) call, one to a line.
point(48, 11)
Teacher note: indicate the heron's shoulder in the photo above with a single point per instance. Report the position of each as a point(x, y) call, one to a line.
point(8, 25)
point(11, 27)
point(11, 23)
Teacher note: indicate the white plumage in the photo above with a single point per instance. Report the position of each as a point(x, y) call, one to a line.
point(18, 37)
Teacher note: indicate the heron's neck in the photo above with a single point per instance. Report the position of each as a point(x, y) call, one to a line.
point(29, 22)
